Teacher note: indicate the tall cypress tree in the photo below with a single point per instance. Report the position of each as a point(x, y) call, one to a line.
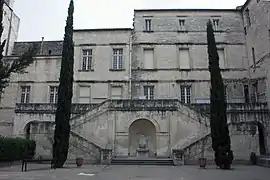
point(221, 142)
point(63, 112)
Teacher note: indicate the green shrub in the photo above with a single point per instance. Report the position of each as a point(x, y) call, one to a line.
point(12, 149)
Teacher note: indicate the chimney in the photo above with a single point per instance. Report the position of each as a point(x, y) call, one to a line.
point(41, 46)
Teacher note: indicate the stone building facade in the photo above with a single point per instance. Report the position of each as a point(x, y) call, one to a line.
point(145, 91)
point(11, 24)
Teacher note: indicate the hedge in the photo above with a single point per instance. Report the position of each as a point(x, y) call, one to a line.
point(12, 149)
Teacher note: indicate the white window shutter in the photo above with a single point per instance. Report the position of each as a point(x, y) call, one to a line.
point(184, 59)
point(148, 59)
point(221, 58)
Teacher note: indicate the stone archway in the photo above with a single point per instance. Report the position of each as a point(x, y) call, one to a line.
point(142, 138)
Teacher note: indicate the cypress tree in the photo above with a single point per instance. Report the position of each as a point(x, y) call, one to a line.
point(63, 112)
point(221, 142)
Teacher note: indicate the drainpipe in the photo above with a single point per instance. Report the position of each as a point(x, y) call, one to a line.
point(130, 64)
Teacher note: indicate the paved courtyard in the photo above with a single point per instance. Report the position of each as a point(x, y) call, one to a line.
point(91, 172)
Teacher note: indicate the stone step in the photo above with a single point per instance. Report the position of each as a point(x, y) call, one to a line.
point(264, 161)
point(134, 161)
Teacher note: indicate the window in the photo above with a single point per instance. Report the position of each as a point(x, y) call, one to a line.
point(53, 94)
point(116, 92)
point(184, 60)
point(185, 94)
point(148, 58)
point(182, 25)
point(225, 92)
point(25, 94)
point(87, 60)
point(221, 55)
point(148, 92)
point(117, 59)
point(245, 30)
point(254, 94)
point(246, 93)
point(148, 27)
point(84, 94)
point(216, 24)
point(247, 17)
point(253, 58)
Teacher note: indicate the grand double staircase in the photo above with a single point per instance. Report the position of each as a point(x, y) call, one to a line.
point(83, 140)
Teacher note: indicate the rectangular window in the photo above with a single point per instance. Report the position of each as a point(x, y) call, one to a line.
point(148, 25)
point(117, 59)
point(247, 17)
point(221, 55)
point(216, 24)
point(25, 94)
point(182, 25)
point(85, 95)
point(148, 92)
point(87, 61)
point(185, 94)
point(184, 60)
point(116, 92)
point(246, 93)
point(53, 94)
point(225, 92)
point(245, 30)
point(253, 57)
point(148, 58)
point(254, 95)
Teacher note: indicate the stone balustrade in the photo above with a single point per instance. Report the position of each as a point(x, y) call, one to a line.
point(46, 108)
point(139, 105)
point(236, 107)
point(144, 105)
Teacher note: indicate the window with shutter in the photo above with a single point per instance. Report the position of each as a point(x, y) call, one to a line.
point(184, 59)
point(148, 58)
point(85, 95)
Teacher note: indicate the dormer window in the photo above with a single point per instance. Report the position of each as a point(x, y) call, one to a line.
point(216, 24)
point(148, 25)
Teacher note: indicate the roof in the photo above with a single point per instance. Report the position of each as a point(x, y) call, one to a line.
point(48, 47)
point(180, 10)
point(104, 29)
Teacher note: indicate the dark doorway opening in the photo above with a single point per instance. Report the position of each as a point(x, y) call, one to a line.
point(27, 133)
point(261, 139)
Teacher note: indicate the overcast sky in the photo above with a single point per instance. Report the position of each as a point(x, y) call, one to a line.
point(47, 17)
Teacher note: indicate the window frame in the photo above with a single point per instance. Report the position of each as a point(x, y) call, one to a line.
point(185, 97)
point(87, 59)
point(149, 92)
point(116, 86)
point(53, 94)
point(216, 24)
point(181, 23)
point(84, 97)
point(25, 94)
point(148, 25)
point(118, 63)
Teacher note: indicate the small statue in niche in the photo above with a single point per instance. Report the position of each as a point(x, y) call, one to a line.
point(142, 141)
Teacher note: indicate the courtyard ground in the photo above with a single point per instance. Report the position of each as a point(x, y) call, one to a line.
point(97, 172)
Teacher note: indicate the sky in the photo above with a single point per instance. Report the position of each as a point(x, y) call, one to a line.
point(46, 18)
